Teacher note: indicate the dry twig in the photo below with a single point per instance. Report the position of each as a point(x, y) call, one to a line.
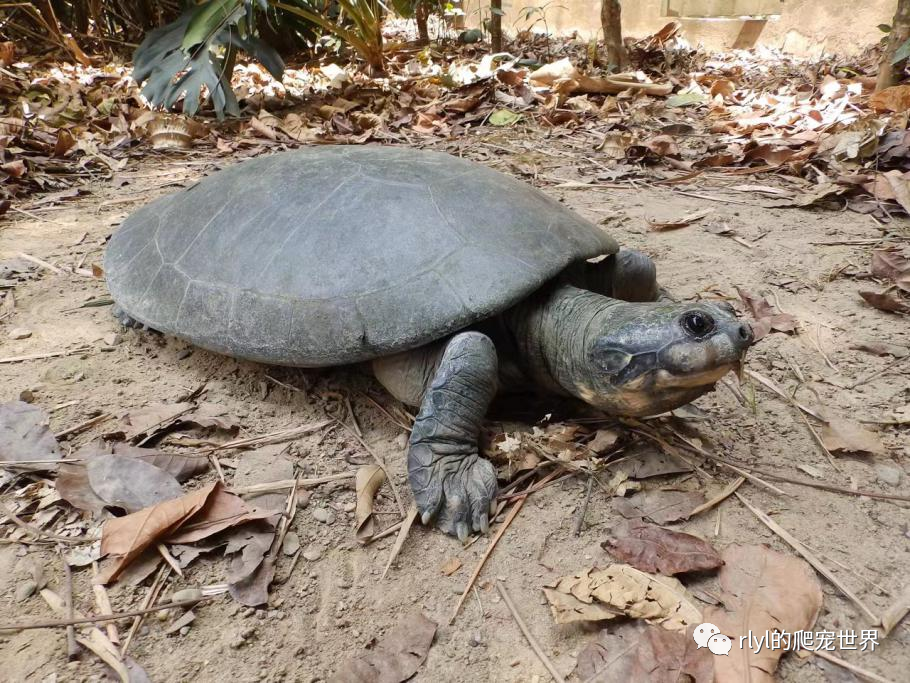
point(532, 641)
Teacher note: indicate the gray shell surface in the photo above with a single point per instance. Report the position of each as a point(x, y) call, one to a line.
point(331, 255)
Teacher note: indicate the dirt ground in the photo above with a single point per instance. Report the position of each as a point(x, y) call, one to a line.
point(333, 606)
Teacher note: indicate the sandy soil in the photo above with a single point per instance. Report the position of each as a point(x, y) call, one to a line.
point(334, 606)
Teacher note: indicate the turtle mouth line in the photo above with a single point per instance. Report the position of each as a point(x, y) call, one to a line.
point(665, 380)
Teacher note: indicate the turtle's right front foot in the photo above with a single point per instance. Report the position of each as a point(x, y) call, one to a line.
point(455, 491)
point(453, 486)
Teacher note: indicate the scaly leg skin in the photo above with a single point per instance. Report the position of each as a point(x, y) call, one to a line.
point(453, 486)
point(124, 318)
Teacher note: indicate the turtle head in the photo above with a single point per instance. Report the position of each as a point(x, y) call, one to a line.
point(655, 357)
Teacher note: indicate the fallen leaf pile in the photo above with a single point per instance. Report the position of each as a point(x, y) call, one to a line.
point(738, 113)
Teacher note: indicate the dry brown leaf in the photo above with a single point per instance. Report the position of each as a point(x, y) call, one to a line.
point(688, 219)
point(124, 538)
point(887, 301)
point(24, 435)
point(764, 591)
point(394, 658)
point(252, 567)
point(891, 264)
point(660, 507)
point(882, 349)
point(636, 653)
point(149, 420)
point(766, 318)
point(656, 550)
point(222, 510)
point(846, 436)
point(367, 482)
point(451, 566)
point(599, 594)
point(900, 188)
point(115, 481)
point(895, 98)
point(723, 87)
point(603, 440)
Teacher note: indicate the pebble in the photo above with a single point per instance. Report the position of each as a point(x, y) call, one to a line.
point(20, 333)
point(27, 396)
point(402, 441)
point(290, 544)
point(113, 338)
point(889, 474)
point(324, 515)
point(25, 590)
point(184, 630)
point(312, 552)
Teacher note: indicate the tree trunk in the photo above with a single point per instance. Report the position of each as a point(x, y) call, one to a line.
point(888, 73)
point(421, 16)
point(611, 22)
point(496, 25)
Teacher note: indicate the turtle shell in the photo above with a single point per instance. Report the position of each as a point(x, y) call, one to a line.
point(333, 254)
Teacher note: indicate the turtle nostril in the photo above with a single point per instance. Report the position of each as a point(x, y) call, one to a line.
point(745, 332)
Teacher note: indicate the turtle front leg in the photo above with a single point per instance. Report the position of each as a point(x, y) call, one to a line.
point(453, 486)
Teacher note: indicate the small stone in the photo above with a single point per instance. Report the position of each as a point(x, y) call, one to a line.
point(290, 544)
point(303, 499)
point(324, 515)
point(25, 590)
point(20, 333)
point(113, 338)
point(312, 552)
point(27, 396)
point(475, 640)
point(889, 474)
point(184, 354)
point(163, 614)
point(184, 630)
point(402, 441)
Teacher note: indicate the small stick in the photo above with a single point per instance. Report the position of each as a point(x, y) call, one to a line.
point(532, 641)
point(347, 403)
point(40, 356)
point(877, 373)
point(767, 383)
point(714, 458)
point(103, 618)
point(580, 519)
point(290, 510)
point(165, 553)
point(72, 649)
point(859, 671)
point(809, 556)
point(282, 484)
point(41, 533)
point(402, 536)
point(150, 597)
point(39, 262)
point(719, 498)
point(103, 601)
point(513, 512)
point(82, 426)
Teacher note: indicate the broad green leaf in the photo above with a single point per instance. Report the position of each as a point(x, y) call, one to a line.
point(685, 99)
point(504, 117)
point(208, 20)
point(902, 53)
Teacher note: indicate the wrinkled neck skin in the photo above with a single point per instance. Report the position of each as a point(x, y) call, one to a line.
point(554, 333)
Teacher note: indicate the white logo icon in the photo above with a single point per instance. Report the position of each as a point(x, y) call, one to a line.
point(719, 644)
point(703, 632)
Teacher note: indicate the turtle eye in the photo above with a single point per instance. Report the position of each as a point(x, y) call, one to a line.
point(697, 324)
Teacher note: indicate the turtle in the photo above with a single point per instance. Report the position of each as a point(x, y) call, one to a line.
point(451, 279)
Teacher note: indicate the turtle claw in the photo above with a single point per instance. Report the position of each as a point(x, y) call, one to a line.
point(454, 493)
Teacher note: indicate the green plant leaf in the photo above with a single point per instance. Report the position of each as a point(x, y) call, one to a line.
point(504, 117)
point(209, 19)
point(902, 53)
point(884, 28)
